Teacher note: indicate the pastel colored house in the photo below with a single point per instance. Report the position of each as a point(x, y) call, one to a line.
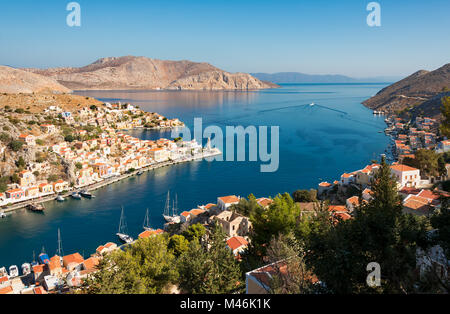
point(26, 178)
point(324, 187)
point(60, 186)
point(352, 203)
point(27, 139)
point(48, 128)
point(347, 178)
point(45, 188)
point(237, 244)
point(150, 233)
point(406, 175)
point(32, 192)
point(226, 201)
point(15, 194)
point(73, 261)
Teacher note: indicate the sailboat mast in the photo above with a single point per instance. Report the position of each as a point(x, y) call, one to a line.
point(167, 207)
point(120, 222)
point(175, 206)
point(60, 249)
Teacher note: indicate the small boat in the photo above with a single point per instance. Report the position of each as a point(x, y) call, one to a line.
point(167, 216)
point(86, 194)
point(36, 207)
point(60, 198)
point(76, 195)
point(311, 104)
point(122, 233)
point(26, 269)
point(146, 224)
point(2, 214)
point(3, 272)
point(43, 257)
point(13, 271)
point(140, 172)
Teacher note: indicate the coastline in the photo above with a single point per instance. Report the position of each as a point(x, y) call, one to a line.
point(105, 182)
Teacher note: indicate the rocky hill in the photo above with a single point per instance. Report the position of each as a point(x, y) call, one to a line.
point(144, 73)
point(19, 81)
point(420, 90)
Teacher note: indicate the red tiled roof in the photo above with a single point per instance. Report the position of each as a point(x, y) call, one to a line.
point(229, 199)
point(236, 242)
point(6, 290)
point(73, 258)
point(402, 168)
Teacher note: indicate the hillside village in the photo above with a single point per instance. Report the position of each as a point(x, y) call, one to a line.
point(57, 151)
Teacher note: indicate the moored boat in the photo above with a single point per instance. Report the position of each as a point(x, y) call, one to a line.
point(2, 214)
point(26, 268)
point(36, 207)
point(13, 271)
point(76, 195)
point(60, 198)
point(86, 194)
point(122, 232)
point(140, 172)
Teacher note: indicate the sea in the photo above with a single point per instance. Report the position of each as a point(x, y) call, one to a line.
point(324, 131)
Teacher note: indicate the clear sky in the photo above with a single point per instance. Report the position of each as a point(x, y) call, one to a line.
point(314, 36)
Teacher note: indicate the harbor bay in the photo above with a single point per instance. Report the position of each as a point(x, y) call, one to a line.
point(317, 143)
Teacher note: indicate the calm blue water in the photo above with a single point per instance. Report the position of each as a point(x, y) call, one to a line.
point(316, 143)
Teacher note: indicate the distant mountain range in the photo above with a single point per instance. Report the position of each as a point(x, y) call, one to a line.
point(419, 93)
point(130, 72)
point(297, 77)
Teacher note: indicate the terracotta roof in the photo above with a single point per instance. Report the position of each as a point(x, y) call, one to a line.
point(3, 279)
point(236, 242)
point(38, 268)
point(73, 258)
point(229, 199)
point(6, 290)
point(196, 211)
point(148, 233)
point(324, 184)
point(337, 208)
point(91, 262)
point(264, 201)
point(402, 168)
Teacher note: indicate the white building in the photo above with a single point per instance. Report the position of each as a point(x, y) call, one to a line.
point(406, 176)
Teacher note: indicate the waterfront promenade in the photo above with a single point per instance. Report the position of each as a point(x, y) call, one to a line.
point(213, 152)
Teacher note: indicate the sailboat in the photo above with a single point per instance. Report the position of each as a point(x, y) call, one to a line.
point(123, 236)
point(174, 217)
point(60, 251)
point(146, 224)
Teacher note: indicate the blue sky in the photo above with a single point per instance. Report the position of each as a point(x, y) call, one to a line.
point(315, 36)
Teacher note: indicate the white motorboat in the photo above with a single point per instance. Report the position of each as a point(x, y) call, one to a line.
point(2, 214)
point(13, 271)
point(26, 269)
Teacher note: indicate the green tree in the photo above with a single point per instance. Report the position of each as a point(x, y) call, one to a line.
point(427, 161)
point(194, 232)
point(20, 163)
point(146, 267)
point(178, 244)
point(210, 269)
point(16, 145)
point(246, 207)
point(305, 195)
point(280, 218)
